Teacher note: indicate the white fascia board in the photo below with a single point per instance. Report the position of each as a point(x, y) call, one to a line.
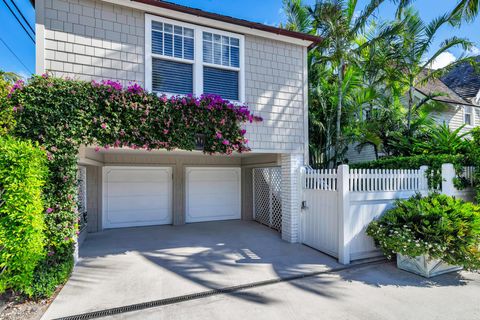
point(212, 23)
point(39, 37)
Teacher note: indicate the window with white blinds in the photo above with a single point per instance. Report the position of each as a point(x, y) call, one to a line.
point(183, 58)
point(221, 70)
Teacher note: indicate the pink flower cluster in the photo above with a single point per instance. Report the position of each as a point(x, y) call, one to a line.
point(18, 85)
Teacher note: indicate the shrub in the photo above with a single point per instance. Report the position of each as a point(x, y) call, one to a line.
point(439, 226)
point(22, 176)
point(7, 120)
point(48, 277)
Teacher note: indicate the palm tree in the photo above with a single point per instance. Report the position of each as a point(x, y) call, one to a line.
point(412, 46)
point(338, 23)
point(466, 10)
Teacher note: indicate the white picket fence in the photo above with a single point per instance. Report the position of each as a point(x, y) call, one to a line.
point(339, 204)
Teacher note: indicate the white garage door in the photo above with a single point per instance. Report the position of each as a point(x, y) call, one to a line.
point(137, 196)
point(212, 194)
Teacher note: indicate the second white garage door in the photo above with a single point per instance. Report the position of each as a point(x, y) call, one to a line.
point(212, 194)
point(137, 196)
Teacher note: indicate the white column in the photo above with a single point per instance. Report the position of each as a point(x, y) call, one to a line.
point(448, 174)
point(423, 183)
point(291, 196)
point(343, 207)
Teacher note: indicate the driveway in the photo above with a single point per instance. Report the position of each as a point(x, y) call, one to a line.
point(373, 292)
point(128, 266)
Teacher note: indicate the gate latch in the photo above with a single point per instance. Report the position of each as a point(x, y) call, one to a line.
point(304, 205)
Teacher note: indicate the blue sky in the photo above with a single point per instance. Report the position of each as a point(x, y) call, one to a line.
point(265, 11)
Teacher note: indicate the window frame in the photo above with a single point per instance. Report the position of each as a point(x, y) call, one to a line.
point(472, 116)
point(197, 61)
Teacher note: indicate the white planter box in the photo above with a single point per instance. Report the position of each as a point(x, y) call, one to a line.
point(424, 266)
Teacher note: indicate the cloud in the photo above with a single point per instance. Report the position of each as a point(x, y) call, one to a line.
point(474, 51)
point(443, 60)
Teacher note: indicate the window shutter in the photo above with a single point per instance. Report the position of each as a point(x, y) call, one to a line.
point(221, 82)
point(172, 77)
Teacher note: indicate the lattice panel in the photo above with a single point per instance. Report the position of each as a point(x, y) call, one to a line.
point(82, 196)
point(267, 196)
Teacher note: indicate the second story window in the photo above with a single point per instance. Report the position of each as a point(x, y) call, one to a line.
point(468, 115)
point(221, 65)
point(172, 58)
point(183, 58)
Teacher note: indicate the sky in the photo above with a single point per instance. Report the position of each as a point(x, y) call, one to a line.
point(263, 11)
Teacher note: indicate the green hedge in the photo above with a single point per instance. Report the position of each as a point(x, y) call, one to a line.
point(434, 163)
point(22, 176)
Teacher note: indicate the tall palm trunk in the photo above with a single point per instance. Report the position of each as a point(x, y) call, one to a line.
point(410, 107)
point(339, 110)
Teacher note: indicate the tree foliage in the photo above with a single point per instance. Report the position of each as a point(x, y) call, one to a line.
point(364, 74)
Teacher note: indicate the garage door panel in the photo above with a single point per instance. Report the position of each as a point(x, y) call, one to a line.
point(141, 175)
point(216, 200)
point(213, 194)
point(121, 189)
point(139, 203)
point(129, 218)
point(136, 196)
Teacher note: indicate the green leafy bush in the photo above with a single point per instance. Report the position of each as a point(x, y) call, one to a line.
point(7, 120)
point(434, 163)
point(48, 277)
point(22, 176)
point(439, 226)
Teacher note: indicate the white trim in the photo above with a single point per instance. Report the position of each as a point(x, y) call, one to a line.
point(209, 22)
point(159, 56)
point(306, 158)
point(476, 99)
point(472, 117)
point(219, 66)
point(105, 171)
point(238, 172)
point(39, 37)
point(148, 54)
point(198, 63)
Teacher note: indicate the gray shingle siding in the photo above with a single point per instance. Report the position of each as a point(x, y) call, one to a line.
point(95, 40)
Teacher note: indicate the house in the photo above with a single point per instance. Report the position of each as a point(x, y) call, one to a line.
point(459, 90)
point(175, 50)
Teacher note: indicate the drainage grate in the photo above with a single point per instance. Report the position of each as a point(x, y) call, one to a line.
point(205, 294)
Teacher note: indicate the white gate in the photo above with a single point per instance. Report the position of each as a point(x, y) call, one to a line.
point(267, 202)
point(320, 215)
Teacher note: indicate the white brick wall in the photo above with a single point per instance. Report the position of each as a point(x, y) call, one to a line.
point(94, 40)
point(291, 196)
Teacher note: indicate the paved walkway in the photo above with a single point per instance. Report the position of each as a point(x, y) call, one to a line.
point(128, 266)
point(367, 293)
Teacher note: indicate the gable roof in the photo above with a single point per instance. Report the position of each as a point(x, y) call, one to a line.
point(435, 86)
point(227, 19)
point(464, 80)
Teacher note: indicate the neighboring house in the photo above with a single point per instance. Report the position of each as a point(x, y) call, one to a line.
point(460, 92)
point(174, 49)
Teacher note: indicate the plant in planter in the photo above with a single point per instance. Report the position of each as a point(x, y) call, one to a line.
point(430, 235)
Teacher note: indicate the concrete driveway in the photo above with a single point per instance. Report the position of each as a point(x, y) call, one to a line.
point(128, 266)
point(374, 292)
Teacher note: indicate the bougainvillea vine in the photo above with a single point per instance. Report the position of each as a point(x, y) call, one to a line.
point(62, 114)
